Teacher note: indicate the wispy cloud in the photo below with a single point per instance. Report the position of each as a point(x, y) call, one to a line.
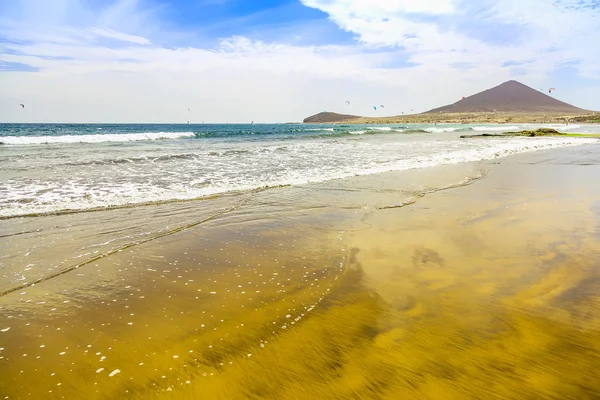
point(550, 33)
point(123, 37)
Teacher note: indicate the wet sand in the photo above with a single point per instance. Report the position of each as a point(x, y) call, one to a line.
point(457, 282)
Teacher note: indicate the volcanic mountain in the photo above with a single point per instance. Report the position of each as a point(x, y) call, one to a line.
point(509, 97)
point(328, 117)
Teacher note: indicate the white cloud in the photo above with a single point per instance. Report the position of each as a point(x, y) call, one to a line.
point(111, 34)
point(408, 55)
point(567, 31)
point(377, 7)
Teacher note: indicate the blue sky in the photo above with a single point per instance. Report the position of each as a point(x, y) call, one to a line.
point(281, 60)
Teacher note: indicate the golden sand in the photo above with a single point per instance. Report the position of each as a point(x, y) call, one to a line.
point(487, 291)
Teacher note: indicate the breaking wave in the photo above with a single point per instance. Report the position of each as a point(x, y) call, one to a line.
point(115, 137)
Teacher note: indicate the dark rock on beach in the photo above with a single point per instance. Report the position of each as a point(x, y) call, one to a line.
point(538, 132)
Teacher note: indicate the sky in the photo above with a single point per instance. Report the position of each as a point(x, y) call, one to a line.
point(282, 60)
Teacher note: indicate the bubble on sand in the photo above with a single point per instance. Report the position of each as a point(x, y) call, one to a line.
point(5, 329)
point(99, 370)
point(116, 371)
point(175, 356)
point(62, 353)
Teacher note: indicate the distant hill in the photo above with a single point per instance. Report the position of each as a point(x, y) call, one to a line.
point(328, 117)
point(509, 97)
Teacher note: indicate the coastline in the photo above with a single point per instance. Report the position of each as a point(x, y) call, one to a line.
point(418, 281)
point(472, 118)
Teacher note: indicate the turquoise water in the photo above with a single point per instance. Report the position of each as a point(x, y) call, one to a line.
point(23, 134)
point(54, 168)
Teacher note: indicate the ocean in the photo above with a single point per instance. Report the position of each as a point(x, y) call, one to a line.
point(64, 168)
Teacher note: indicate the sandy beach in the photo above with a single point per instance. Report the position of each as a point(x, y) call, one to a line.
point(299, 200)
point(475, 280)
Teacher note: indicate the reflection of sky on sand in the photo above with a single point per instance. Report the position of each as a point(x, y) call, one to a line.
point(491, 290)
point(488, 290)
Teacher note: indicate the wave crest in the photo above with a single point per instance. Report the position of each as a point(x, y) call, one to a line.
point(114, 137)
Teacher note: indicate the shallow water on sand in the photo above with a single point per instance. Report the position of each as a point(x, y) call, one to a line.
point(414, 284)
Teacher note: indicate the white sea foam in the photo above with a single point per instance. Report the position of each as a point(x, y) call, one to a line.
point(568, 127)
point(51, 185)
point(440, 130)
point(117, 137)
point(496, 128)
point(379, 128)
point(321, 129)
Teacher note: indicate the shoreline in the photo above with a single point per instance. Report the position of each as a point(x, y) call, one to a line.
point(328, 290)
point(471, 118)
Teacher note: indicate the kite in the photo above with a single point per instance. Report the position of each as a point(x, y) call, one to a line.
point(551, 89)
point(22, 105)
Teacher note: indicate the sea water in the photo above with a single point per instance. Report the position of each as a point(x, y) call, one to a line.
point(58, 168)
